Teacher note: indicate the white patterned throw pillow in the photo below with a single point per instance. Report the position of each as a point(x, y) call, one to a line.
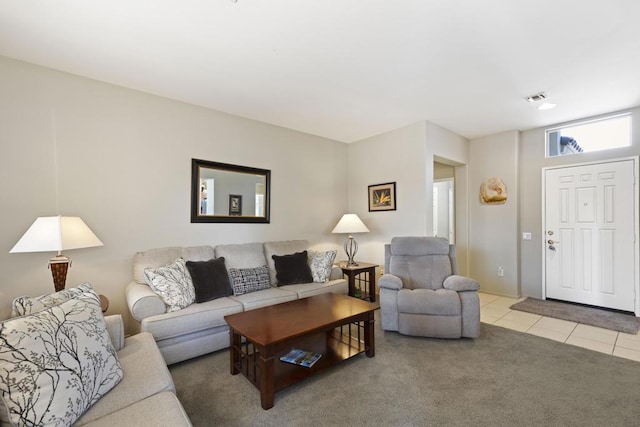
point(27, 305)
point(321, 264)
point(173, 284)
point(56, 363)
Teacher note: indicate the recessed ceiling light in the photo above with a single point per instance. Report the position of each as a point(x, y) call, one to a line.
point(537, 97)
point(546, 106)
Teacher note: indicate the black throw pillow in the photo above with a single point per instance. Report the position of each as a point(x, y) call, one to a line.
point(292, 269)
point(210, 279)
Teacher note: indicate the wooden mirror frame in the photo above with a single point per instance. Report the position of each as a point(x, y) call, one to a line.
point(197, 217)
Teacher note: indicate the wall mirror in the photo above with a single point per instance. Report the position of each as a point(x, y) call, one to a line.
point(222, 192)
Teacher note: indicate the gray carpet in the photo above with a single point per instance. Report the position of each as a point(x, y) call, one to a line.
point(577, 313)
point(503, 378)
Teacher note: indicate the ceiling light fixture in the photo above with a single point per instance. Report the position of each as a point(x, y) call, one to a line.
point(537, 97)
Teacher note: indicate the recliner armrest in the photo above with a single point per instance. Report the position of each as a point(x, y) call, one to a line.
point(390, 281)
point(460, 283)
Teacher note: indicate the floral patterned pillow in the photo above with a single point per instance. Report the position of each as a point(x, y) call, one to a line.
point(321, 264)
point(173, 284)
point(56, 363)
point(29, 305)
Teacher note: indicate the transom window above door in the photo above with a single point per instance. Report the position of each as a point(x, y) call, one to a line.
point(585, 137)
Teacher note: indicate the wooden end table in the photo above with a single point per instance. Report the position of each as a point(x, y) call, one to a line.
point(334, 325)
point(104, 303)
point(353, 271)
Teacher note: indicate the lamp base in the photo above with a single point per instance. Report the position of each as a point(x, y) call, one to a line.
point(59, 266)
point(351, 248)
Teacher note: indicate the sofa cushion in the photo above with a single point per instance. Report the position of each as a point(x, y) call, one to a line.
point(292, 269)
point(426, 301)
point(173, 283)
point(247, 280)
point(210, 279)
point(304, 290)
point(57, 362)
point(155, 258)
point(419, 245)
point(161, 409)
point(246, 255)
point(421, 272)
point(27, 305)
point(281, 248)
point(265, 297)
point(145, 374)
point(321, 264)
point(194, 318)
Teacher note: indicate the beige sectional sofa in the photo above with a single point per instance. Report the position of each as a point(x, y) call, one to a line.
point(200, 328)
point(146, 394)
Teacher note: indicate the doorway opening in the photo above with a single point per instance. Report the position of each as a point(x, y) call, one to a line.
point(444, 209)
point(444, 202)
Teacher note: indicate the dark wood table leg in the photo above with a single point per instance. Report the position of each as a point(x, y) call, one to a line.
point(372, 284)
point(234, 345)
point(351, 278)
point(267, 386)
point(369, 336)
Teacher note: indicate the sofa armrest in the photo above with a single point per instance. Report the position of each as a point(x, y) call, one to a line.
point(115, 327)
point(390, 281)
point(336, 273)
point(460, 283)
point(143, 302)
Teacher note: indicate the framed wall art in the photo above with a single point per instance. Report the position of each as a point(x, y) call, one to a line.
point(382, 197)
point(235, 204)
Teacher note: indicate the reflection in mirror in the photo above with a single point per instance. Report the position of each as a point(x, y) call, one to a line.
point(222, 192)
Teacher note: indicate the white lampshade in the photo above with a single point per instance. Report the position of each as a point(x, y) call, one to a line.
point(349, 224)
point(56, 233)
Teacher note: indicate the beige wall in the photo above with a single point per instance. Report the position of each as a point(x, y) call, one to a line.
point(124, 166)
point(532, 160)
point(404, 156)
point(493, 228)
point(397, 156)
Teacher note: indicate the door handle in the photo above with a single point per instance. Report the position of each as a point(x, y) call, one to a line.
point(552, 242)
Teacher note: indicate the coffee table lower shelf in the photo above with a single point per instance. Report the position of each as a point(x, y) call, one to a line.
point(269, 374)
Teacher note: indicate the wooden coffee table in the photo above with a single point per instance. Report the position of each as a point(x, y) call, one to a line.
point(337, 326)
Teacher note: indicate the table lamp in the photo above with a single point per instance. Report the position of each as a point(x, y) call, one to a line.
point(57, 233)
point(350, 224)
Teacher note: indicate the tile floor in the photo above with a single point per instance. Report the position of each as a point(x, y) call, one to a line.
point(495, 310)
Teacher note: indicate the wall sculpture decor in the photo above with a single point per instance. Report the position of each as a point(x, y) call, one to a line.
point(493, 192)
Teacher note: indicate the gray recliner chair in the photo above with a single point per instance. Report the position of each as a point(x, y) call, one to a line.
point(421, 293)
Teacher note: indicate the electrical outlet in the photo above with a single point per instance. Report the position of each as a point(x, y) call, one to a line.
point(500, 271)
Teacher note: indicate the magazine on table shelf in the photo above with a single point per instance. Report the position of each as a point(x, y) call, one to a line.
point(301, 357)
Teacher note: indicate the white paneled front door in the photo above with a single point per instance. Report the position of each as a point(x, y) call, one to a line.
point(589, 237)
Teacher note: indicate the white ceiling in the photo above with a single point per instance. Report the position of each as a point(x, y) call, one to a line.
point(348, 69)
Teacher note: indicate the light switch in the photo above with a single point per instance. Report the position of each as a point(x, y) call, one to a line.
point(526, 236)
